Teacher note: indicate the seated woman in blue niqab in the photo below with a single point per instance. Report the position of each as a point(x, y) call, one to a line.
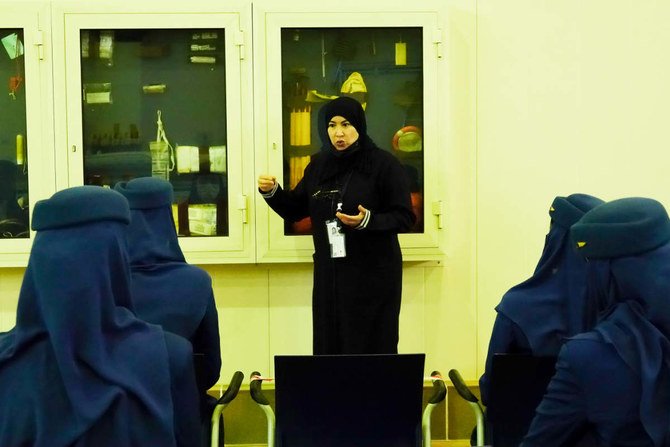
point(165, 289)
point(615, 379)
point(78, 368)
point(536, 316)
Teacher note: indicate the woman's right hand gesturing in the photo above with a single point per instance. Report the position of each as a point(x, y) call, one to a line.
point(266, 182)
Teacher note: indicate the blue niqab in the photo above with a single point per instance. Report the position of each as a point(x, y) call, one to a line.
point(628, 245)
point(152, 237)
point(550, 306)
point(166, 290)
point(79, 368)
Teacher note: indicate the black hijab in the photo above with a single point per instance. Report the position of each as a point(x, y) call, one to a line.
point(355, 156)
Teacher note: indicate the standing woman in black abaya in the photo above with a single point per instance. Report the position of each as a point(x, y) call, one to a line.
point(358, 198)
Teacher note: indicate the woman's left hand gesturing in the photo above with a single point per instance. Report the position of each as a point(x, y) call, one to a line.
point(352, 220)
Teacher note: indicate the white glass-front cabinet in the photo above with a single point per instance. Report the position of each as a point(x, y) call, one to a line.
point(102, 92)
point(162, 89)
point(391, 60)
point(26, 149)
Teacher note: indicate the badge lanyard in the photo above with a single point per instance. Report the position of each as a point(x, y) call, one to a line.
point(334, 226)
point(343, 190)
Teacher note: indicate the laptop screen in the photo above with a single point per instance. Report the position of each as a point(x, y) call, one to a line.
point(349, 400)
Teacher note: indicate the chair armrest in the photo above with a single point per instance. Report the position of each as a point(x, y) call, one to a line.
point(461, 388)
point(255, 389)
point(233, 388)
point(439, 388)
point(463, 391)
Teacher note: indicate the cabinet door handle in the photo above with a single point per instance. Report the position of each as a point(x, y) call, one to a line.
point(74, 148)
point(242, 206)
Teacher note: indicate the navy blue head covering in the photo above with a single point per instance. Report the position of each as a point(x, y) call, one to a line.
point(152, 237)
point(550, 305)
point(630, 238)
point(79, 362)
point(622, 228)
point(166, 290)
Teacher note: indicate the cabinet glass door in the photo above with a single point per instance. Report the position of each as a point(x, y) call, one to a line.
point(382, 68)
point(148, 96)
point(14, 191)
point(389, 63)
point(154, 104)
point(26, 111)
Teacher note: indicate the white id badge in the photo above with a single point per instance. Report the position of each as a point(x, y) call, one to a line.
point(336, 239)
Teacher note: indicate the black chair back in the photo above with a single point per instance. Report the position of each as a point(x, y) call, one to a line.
point(349, 400)
point(518, 383)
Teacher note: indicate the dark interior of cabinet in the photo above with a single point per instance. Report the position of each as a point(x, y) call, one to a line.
point(129, 75)
point(14, 197)
point(317, 63)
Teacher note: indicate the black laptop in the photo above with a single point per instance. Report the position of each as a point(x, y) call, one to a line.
point(349, 400)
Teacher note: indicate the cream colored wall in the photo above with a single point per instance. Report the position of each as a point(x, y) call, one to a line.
point(10, 284)
point(266, 310)
point(572, 96)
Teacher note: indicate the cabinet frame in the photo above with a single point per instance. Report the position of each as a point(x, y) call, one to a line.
point(234, 19)
point(253, 78)
point(35, 20)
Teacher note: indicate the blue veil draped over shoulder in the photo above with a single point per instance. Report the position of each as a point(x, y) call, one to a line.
point(79, 368)
point(166, 289)
point(551, 305)
point(627, 243)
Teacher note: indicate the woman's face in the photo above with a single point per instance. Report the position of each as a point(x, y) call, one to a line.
point(341, 132)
